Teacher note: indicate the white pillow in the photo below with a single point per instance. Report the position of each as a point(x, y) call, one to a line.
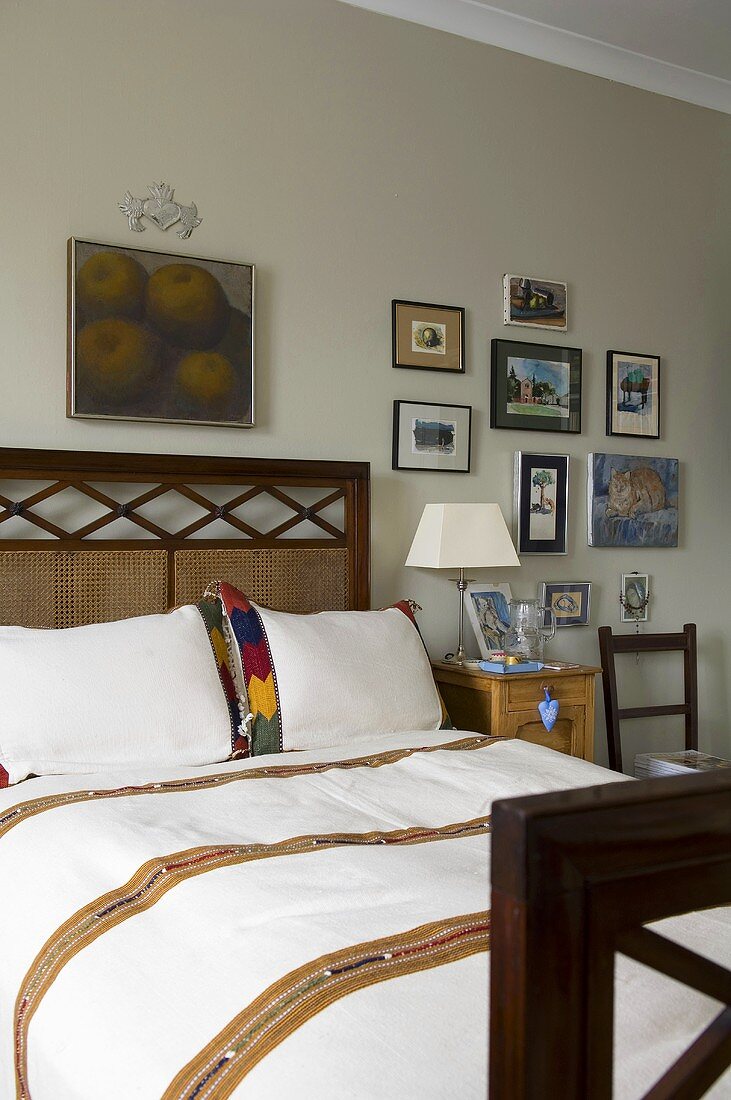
point(314, 681)
point(145, 691)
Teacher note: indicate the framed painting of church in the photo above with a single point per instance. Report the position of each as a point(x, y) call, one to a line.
point(535, 387)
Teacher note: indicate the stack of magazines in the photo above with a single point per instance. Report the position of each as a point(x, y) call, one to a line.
point(649, 765)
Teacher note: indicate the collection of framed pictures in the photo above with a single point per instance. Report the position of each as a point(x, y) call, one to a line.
point(534, 387)
point(428, 435)
point(488, 608)
point(632, 500)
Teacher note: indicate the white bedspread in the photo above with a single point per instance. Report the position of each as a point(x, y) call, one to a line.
point(115, 988)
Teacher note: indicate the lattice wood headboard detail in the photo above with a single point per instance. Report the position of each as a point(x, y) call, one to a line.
point(293, 534)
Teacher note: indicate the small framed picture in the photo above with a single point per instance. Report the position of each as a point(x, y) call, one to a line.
point(633, 394)
point(428, 337)
point(535, 387)
point(541, 503)
point(635, 598)
point(534, 303)
point(569, 600)
point(430, 436)
point(488, 606)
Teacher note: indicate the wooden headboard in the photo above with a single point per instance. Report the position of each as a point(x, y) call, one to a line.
point(87, 536)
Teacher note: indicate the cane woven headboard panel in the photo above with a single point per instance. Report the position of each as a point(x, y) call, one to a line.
point(89, 537)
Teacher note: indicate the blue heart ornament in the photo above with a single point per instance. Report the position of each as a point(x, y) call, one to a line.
point(548, 710)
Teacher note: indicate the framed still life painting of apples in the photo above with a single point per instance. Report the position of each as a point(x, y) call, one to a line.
point(154, 336)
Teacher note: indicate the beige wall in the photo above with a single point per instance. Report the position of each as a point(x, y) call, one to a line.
point(354, 159)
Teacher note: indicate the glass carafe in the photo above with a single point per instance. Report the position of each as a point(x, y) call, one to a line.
point(531, 626)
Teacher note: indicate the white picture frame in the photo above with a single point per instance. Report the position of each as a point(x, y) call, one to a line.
point(635, 602)
point(488, 607)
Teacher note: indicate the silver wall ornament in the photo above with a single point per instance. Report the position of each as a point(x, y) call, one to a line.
point(161, 209)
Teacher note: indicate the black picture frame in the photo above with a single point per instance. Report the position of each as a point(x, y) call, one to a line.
point(449, 319)
point(530, 541)
point(619, 418)
point(548, 590)
point(405, 456)
point(547, 413)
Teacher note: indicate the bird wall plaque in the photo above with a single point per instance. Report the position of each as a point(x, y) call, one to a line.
point(161, 209)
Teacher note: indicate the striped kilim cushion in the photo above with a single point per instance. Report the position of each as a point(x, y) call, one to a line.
point(212, 613)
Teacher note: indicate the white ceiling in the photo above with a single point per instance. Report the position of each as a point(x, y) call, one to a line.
point(679, 48)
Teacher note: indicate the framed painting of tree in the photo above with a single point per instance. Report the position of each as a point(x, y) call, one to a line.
point(541, 503)
point(535, 387)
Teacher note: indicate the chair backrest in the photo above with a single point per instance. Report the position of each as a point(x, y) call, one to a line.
point(611, 644)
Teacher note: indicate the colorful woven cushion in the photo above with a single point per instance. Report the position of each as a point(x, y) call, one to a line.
point(314, 681)
point(229, 669)
point(156, 690)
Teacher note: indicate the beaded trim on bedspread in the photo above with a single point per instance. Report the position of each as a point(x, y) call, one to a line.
point(298, 996)
point(22, 811)
point(159, 875)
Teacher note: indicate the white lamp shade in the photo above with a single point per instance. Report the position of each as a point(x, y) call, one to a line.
point(462, 536)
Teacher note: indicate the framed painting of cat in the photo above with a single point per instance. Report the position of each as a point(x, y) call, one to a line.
point(632, 501)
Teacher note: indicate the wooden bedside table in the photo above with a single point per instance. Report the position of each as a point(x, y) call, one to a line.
point(507, 705)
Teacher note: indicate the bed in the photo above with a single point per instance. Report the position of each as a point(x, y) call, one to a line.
point(320, 921)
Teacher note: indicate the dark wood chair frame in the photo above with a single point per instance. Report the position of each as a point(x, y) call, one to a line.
point(609, 645)
point(575, 877)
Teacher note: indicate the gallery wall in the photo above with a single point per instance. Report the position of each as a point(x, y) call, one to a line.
point(354, 159)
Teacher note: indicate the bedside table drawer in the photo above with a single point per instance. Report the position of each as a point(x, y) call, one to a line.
point(524, 693)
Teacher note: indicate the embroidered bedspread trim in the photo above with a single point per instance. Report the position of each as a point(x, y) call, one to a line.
point(153, 880)
point(22, 811)
point(215, 1072)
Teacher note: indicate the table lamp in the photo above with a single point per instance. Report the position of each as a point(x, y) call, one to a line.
point(462, 536)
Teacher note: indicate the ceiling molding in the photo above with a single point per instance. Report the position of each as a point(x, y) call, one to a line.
point(574, 51)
